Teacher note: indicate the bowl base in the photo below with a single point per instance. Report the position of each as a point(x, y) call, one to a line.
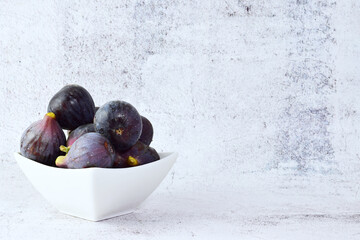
point(97, 219)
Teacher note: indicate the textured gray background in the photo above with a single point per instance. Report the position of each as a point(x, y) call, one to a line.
point(260, 98)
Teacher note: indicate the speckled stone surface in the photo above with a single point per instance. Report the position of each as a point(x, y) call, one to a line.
point(260, 98)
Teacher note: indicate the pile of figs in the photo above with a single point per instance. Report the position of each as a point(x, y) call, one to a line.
point(114, 135)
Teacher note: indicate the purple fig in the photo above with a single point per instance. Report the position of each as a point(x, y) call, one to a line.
point(147, 131)
point(42, 139)
point(78, 132)
point(138, 154)
point(90, 150)
point(120, 122)
point(73, 107)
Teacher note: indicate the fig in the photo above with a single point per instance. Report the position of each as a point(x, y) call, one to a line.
point(90, 150)
point(147, 131)
point(73, 107)
point(78, 132)
point(42, 139)
point(138, 154)
point(120, 122)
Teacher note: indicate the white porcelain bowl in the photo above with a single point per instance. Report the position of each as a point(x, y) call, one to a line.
point(96, 193)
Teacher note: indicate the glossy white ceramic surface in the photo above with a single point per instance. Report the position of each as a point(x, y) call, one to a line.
point(96, 193)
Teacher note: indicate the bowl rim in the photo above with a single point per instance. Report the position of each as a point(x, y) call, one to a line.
point(167, 156)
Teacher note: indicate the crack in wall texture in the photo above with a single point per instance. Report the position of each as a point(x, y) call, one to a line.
point(234, 86)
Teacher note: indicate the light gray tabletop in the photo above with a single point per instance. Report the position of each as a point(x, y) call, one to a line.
point(261, 208)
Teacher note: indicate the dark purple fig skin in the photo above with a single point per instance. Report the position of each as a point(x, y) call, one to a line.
point(90, 150)
point(41, 141)
point(120, 122)
point(147, 131)
point(73, 107)
point(140, 152)
point(78, 132)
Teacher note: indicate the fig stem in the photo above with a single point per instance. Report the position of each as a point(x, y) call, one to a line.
point(132, 161)
point(60, 161)
point(64, 149)
point(51, 114)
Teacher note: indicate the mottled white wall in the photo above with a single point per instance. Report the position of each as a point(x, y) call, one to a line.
point(234, 86)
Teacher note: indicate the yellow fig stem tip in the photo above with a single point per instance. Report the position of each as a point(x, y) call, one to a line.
point(64, 149)
point(51, 114)
point(60, 160)
point(132, 161)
